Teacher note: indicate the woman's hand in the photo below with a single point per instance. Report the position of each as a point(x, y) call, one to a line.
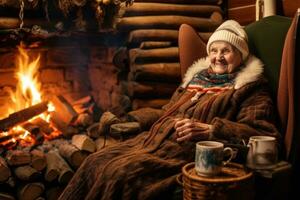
point(190, 129)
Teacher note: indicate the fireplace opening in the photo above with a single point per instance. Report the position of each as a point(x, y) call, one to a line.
point(51, 100)
point(56, 80)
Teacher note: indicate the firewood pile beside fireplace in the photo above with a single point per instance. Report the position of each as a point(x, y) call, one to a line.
point(41, 165)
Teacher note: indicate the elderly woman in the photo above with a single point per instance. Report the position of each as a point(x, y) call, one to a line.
point(223, 97)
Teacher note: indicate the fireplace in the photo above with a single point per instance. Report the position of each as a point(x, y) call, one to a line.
point(77, 79)
point(49, 121)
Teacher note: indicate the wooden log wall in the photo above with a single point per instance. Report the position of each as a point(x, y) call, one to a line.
point(288, 7)
point(150, 60)
point(242, 11)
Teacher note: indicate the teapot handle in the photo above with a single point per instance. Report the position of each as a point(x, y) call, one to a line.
point(250, 152)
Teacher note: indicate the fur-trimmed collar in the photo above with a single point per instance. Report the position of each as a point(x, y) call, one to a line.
point(250, 73)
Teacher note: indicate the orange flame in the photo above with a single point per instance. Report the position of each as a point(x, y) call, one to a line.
point(28, 87)
point(27, 93)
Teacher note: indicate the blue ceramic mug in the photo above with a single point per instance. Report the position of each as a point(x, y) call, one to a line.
point(209, 157)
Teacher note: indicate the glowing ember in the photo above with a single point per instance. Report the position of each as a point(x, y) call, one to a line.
point(27, 93)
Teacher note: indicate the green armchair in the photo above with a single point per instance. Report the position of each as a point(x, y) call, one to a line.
point(274, 40)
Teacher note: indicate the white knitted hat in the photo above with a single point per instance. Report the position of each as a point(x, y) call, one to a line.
point(232, 32)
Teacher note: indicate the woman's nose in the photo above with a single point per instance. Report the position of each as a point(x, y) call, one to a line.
point(220, 56)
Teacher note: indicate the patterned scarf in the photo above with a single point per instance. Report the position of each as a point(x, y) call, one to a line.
point(207, 81)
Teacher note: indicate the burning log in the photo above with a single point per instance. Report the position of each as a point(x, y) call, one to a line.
point(138, 9)
point(153, 55)
point(156, 71)
point(170, 22)
point(31, 128)
point(84, 143)
point(43, 125)
point(34, 130)
point(72, 154)
point(22, 116)
point(38, 160)
point(30, 191)
point(18, 157)
point(4, 170)
point(150, 89)
point(4, 140)
point(64, 110)
point(67, 130)
point(9, 144)
point(152, 103)
point(26, 173)
point(155, 44)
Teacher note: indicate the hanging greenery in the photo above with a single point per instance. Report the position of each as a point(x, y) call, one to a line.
point(78, 14)
point(104, 11)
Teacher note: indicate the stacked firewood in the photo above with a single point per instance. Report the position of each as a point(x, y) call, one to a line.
point(152, 50)
point(42, 170)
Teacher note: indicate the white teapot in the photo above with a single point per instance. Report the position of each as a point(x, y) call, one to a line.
point(262, 153)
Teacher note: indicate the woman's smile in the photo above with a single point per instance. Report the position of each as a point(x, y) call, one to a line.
point(224, 58)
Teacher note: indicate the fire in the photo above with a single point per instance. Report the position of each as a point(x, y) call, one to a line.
point(28, 87)
point(27, 93)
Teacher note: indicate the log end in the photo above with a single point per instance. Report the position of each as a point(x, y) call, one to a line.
point(39, 164)
point(31, 191)
point(65, 177)
point(51, 175)
point(77, 158)
point(216, 17)
point(5, 173)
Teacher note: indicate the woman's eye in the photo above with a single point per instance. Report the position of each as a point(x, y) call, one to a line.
point(226, 51)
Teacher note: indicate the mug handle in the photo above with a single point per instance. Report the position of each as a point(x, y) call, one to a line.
point(231, 155)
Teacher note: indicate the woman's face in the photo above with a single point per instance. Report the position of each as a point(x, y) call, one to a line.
point(224, 58)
